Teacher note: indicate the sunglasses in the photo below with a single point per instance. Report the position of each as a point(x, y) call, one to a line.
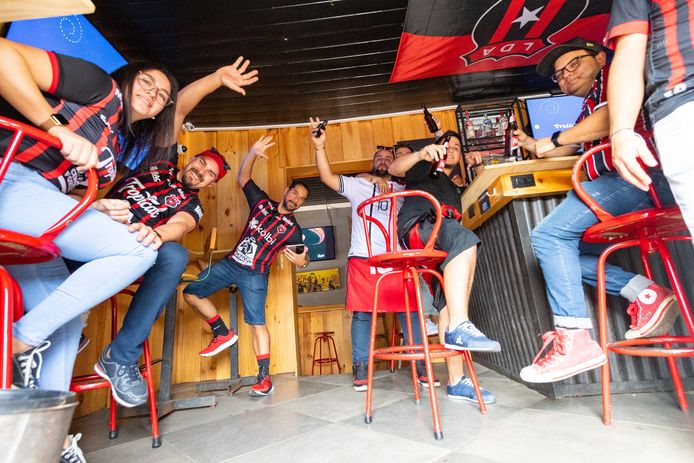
point(225, 164)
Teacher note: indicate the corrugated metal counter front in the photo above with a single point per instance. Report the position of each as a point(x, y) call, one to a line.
point(508, 300)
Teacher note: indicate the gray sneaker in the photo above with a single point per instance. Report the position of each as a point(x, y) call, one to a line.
point(127, 384)
point(73, 453)
point(26, 366)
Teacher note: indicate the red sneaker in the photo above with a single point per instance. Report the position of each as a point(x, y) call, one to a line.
point(262, 387)
point(652, 313)
point(573, 352)
point(424, 380)
point(218, 344)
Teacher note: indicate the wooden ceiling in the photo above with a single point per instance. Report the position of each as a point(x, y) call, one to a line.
point(330, 58)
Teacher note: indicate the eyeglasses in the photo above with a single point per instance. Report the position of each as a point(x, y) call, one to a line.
point(571, 66)
point(225, 164)
point(147, 83)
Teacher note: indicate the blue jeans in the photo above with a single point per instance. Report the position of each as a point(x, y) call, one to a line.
point(252, 286)
point(54, 298)
point(566, 261)
point(361, 332)
point(157, 286)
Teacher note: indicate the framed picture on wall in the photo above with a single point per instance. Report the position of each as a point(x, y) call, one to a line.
point(318, 280)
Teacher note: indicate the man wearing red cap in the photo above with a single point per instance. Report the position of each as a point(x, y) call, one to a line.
point(165, 199)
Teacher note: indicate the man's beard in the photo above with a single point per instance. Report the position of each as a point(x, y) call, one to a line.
point(380, 172)
point(187, 180)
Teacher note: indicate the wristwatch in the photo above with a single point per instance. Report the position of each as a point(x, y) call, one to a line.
point(555, 138)
point(54, 121)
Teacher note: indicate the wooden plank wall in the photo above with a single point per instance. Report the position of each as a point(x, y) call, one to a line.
point(226, 208)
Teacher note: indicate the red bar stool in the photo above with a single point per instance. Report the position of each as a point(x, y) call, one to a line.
point(649, 229)
point(327, 338)
point(93, 381)
point(17, 248)
point(396, 333)
point(408, 264)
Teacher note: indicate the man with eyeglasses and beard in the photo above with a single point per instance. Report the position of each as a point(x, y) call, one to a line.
point(579, 67)
point(361, 277)
point(160, 202)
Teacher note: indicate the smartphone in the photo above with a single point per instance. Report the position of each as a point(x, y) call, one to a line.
point(321, 126)
point(296, 248)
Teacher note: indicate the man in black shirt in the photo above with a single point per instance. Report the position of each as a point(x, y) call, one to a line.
point(459, 242)
point(165, 200)
point(271, 228)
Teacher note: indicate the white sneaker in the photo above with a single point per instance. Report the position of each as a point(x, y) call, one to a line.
point(432, 328)
point(72, 453)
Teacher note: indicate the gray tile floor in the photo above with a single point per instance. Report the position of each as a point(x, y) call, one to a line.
point(320, 419)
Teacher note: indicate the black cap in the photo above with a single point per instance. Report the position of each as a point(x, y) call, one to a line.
point(546, 65)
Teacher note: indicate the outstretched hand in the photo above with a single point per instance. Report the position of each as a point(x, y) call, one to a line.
point(432, 153)
point(235, 76)
point(261, 145)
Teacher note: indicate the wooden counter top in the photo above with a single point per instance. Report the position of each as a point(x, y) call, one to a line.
point(497, 184)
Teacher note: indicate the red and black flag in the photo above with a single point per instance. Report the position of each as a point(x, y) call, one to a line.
point(446, 37)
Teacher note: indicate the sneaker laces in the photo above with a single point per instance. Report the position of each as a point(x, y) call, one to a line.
point(471, 329)
point(559, 347)
point(32, 360)
point(133, 372)
point(72, 453)
point(634, 310)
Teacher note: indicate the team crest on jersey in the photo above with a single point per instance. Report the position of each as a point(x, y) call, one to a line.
point(523, 27)
point(245, 251)
point(172, 201)
point(281, 229)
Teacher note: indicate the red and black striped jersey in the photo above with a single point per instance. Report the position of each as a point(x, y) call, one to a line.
point(266, 233)
point(670, 55)
point(91, 102)
point(601, 161)
point(156, 195)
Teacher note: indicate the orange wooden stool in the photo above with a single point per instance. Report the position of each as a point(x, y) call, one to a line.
point(649, 229)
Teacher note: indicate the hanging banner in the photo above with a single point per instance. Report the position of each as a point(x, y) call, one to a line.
point(447, 37)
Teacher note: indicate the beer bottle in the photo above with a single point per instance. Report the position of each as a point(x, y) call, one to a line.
point(511, 144)
point(438, 166)
point(429, 118)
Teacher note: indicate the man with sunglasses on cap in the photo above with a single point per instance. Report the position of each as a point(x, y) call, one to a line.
point(579, 67)
point(361, 277)
point(163, 202)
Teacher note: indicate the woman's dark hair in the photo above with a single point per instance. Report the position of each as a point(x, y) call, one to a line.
point(155, 136)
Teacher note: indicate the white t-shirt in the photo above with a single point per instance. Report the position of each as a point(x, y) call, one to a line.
point(358, 190)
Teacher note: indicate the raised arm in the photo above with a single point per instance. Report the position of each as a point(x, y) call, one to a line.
point(405, 162)
point(326, 173)
point(625, 91)
point(257, 150)
point(233, 77)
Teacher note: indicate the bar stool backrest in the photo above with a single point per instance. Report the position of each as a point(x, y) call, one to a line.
point(16, 248)
point(389, 230)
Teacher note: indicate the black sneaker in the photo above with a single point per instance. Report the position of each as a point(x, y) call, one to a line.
point(422, 377)
point(72, 453)
point(360, 374)
point(127, 384)
point(84, 342)
point(26, 366)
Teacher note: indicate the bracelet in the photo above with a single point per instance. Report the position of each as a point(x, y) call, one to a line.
point(158, 234)
point(621, 130)
point(321, 148)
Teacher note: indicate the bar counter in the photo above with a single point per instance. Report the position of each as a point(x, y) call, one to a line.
point(508, 301)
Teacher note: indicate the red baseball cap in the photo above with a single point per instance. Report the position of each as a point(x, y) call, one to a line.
point(217, 157)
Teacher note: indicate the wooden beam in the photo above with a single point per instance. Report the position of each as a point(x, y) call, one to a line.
point(17, 10)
